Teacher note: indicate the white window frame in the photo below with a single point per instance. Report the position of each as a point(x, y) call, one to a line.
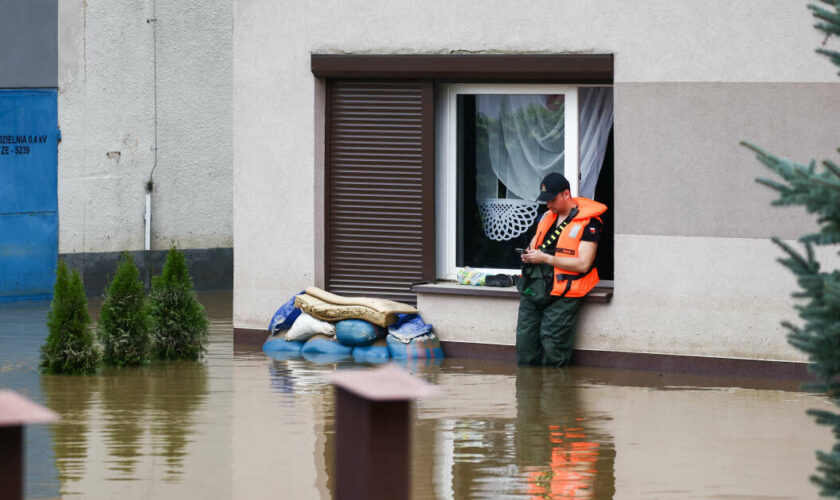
point(446, 160)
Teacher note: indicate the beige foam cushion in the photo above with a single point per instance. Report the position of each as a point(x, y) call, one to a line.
point(326, 311)
point(378, 305)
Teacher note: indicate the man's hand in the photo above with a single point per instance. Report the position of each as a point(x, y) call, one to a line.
point(532, 256)
point(580, 263)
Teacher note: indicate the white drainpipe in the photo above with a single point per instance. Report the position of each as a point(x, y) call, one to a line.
point(148, 220)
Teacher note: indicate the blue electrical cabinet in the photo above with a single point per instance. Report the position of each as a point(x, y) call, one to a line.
point(28, 193)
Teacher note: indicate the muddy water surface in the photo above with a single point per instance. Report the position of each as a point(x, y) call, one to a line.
point(242, 424)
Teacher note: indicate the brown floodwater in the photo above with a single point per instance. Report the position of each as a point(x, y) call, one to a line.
point(243, 424)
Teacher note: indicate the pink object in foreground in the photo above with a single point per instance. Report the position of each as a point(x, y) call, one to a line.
point(388, 383)
point(17, 410)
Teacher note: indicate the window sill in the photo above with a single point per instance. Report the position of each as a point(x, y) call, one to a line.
point(600, 294)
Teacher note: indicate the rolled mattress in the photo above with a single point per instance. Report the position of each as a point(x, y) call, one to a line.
point(327, 311)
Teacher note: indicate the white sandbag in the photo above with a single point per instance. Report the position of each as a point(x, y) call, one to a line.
point(306, 326)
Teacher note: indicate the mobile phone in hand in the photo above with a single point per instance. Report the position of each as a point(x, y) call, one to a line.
point(520, 250)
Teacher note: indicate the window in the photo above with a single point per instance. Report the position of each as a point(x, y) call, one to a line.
point(390, 203)
point(494, 144)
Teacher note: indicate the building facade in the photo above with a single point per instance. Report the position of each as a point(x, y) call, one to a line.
point(145, 94)
point(694, 272)
point(115, 136)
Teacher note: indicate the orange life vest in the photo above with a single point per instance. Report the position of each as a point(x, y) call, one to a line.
point(570, 283)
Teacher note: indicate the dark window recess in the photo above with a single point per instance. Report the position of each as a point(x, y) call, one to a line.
point(604, 260)
point(379, 188)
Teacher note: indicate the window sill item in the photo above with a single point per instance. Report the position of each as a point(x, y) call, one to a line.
point(600, 294)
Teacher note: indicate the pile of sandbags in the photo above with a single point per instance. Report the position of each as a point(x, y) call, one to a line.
point(318, 323)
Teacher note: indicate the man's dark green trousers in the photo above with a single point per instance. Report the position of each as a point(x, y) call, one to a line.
point(545, 329)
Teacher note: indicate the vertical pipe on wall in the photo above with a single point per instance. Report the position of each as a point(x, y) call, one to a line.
point(147, 219)
point(150, 184)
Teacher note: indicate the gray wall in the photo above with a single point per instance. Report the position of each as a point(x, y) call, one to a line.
point(690, 176)
point(113, 73)
point(28, 46)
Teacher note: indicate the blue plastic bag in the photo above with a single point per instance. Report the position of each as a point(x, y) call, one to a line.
point(372, 353)
point(285, 316)
point(279, 344)
point(409, 326)
point(320, 345)
point(357, 332)
point(418, 347)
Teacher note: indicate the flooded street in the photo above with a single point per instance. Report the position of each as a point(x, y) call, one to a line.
point(242, 424)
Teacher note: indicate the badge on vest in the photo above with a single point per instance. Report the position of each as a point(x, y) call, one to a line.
point(575, 231)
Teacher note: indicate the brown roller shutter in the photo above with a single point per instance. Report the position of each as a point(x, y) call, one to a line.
point(380, 188)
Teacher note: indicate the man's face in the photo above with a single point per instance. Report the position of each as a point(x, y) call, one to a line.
point(560, 202)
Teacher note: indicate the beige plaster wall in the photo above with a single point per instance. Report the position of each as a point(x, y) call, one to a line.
point(692, 79)
point(700, 296)
point(679, 168)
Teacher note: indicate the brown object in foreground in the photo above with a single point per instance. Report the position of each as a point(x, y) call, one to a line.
point(372, 431)
point(15, 412)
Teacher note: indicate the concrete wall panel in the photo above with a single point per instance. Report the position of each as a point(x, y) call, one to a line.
point(679, 167)
point(107, 99)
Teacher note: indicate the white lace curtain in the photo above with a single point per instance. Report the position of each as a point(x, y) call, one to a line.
point(596, 121)
point(525, 142)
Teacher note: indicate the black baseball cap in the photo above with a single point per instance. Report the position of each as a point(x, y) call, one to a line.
point(552, 185)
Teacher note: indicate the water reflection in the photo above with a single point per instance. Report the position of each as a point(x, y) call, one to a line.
point(559, 446)
point(72, 397)
point(245, 425)
point(124, 395)
point(159, 401)
point(281, 375)
point(178, 390)
point(543, 443)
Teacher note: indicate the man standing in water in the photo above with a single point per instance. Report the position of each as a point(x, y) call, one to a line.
point(557, 273)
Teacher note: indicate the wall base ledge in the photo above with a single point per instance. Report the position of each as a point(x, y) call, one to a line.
point(670, 363)
point(676, 363)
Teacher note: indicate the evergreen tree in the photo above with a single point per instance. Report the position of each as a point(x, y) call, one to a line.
point(818, 190)
point(124, 328)
point(69, 348)
point(179, 321)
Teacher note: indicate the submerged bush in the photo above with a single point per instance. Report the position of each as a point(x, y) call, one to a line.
point(179, 322)
point(69, 348)
point(124, 327)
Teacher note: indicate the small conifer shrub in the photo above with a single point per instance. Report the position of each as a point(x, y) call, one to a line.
point(124, 325)
point(179, 322)
point(69, 348)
